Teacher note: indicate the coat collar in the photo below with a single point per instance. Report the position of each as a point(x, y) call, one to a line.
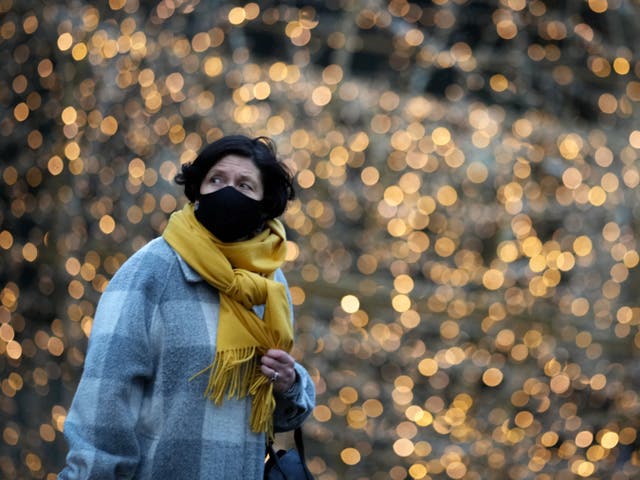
point(189, 273)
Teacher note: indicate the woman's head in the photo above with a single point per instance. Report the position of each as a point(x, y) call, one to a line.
point(277, 186)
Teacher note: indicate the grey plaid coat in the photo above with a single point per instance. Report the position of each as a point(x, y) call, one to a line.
point(135, 413)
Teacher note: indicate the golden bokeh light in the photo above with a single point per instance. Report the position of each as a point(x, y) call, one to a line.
point(462, 252)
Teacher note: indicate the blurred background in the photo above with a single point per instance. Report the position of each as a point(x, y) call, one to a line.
point(462, 251)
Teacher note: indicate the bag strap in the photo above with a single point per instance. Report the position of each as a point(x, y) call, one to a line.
point(297, 436)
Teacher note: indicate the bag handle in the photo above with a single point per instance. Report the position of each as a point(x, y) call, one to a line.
point(297, 437)
point(273, 456)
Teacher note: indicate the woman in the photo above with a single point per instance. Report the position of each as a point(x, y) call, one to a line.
point(187, 371)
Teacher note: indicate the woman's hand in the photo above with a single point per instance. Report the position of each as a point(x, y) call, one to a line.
point(277, 365)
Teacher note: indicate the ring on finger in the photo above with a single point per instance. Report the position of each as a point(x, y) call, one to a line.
point(274, 377)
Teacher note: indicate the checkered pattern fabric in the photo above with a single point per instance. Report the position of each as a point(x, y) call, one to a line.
point(135, 413)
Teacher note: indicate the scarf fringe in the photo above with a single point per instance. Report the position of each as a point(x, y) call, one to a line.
point(231, 372)
point(236, 373)
point(263, 404)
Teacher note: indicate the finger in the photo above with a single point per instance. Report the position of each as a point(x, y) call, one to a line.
point(284, 372)
point(277, 361)
point(284, 379)
point(271, 363)
point(269, 371)
point(282, 382)
point(280, 355)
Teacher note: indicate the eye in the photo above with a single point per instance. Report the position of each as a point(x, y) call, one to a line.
point(247, 186)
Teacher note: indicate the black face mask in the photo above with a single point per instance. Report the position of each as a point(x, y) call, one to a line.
point(229, 214)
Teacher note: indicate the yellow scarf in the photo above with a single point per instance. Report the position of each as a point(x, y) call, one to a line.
point(243, 274)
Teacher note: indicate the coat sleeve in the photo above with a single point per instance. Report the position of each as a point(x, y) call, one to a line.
point(294, 406)
point(100, 426)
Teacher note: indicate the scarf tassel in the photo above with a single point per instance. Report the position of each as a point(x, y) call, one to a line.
point(236, 373)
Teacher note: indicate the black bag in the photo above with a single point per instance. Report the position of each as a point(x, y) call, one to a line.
point(289, 464)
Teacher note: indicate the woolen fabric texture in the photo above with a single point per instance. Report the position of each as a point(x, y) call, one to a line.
point(135, 413)
point(243, 274)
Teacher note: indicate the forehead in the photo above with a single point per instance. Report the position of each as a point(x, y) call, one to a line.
point(236, 164)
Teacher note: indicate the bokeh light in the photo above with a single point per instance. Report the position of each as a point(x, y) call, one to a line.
point(462, 252)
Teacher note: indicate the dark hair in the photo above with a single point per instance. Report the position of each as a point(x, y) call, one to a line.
point(276, 178)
